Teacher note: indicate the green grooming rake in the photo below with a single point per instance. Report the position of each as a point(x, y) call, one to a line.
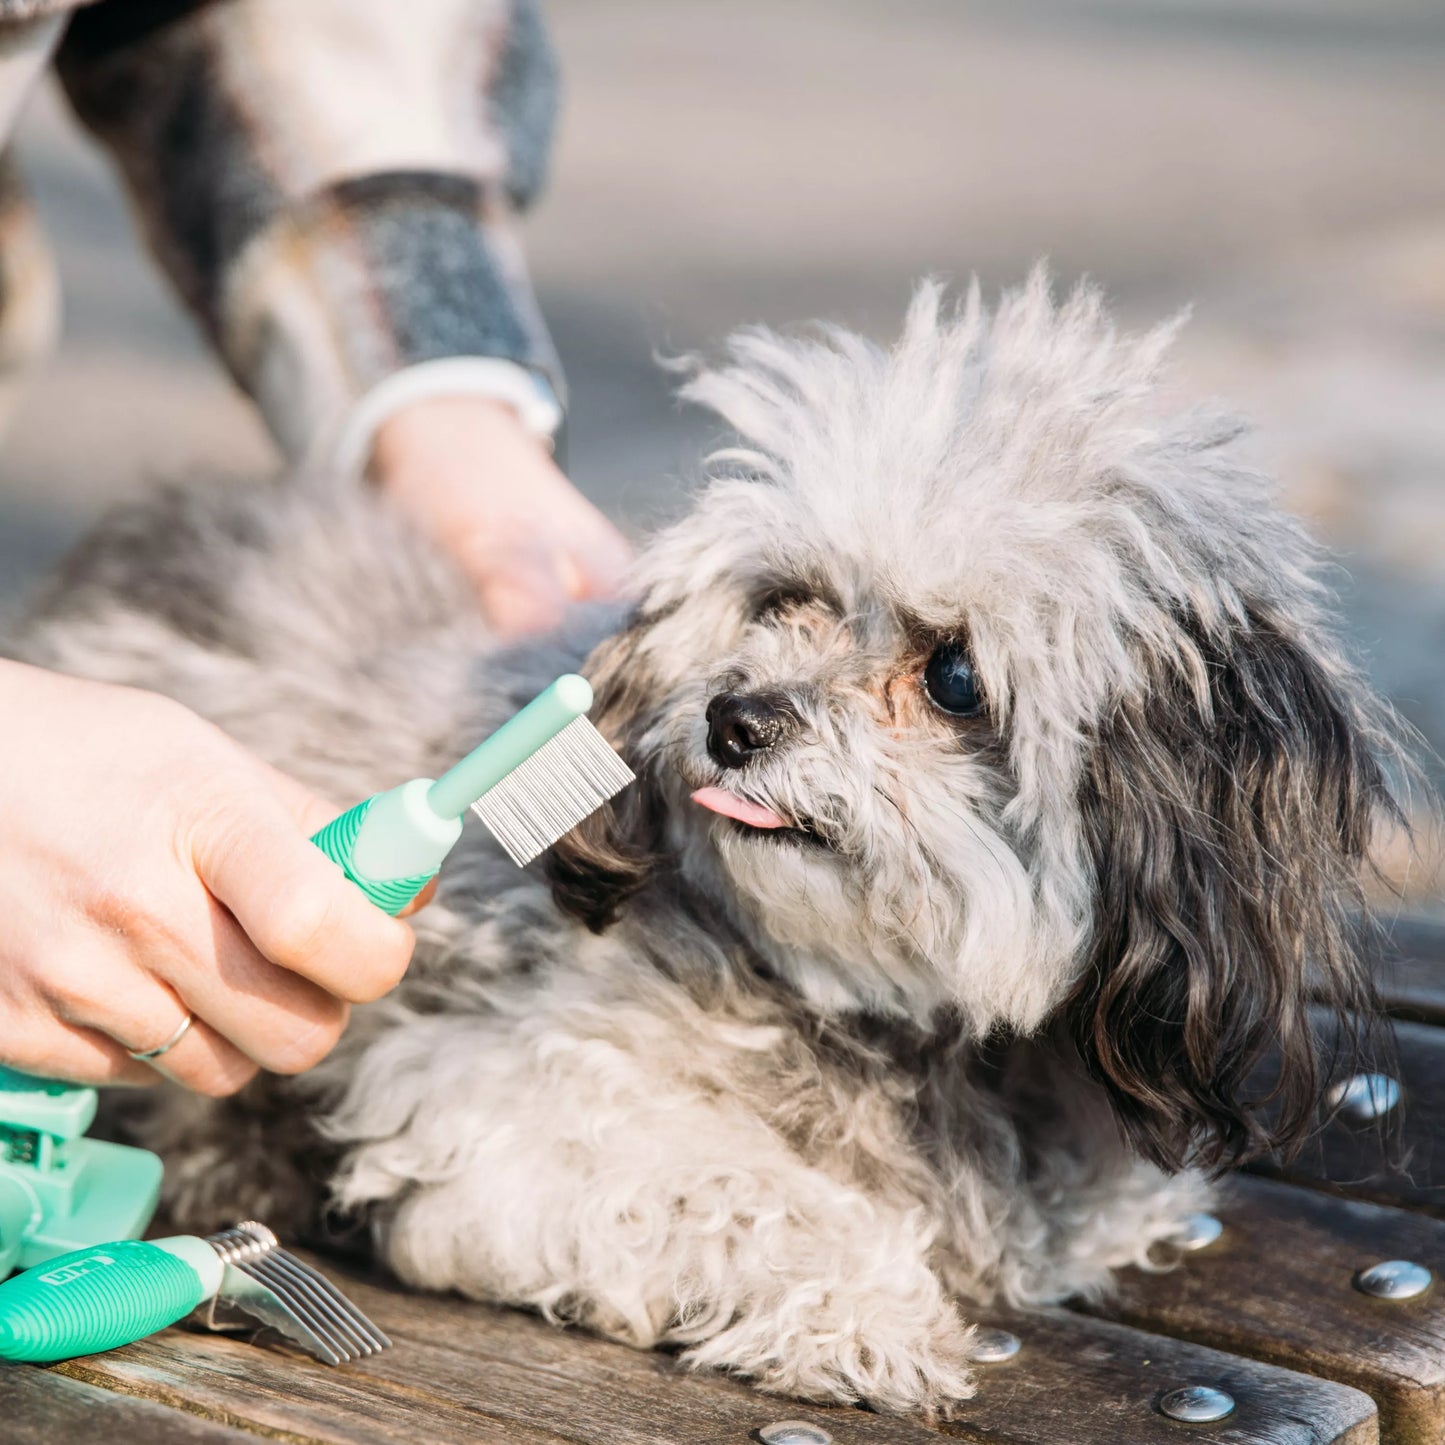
point(70, 1211)
point(108, 1295)
point(538, 775)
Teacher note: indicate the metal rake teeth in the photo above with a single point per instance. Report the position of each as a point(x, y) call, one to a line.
point(243, 1241)
point(284, 1292)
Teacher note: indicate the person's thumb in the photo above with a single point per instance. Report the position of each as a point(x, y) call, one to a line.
point(312, 813)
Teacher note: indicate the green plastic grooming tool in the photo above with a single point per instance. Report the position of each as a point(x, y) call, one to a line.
point(58, 1190)
point(108, 1295)
point(538, 775)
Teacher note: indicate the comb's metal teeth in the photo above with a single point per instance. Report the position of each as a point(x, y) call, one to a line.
point(548, 794)
point(278, 1289)
point(327, 1300)
point(369, 1339)
point(302, 1298)
point(359, 1322)
point(306, 1309)
point(240, 1290)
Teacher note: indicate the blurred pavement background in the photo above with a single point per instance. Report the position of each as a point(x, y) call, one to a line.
point(1279, 165)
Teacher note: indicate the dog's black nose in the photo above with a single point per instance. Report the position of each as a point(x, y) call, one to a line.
point(741, 724)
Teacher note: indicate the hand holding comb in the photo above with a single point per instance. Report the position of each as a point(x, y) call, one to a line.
point(538, 775)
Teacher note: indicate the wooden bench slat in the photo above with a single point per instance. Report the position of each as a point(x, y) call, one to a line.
point(579, 1386)
point(1276, 1407)
point(467, 1374)
point(1411, 970)
point(1277, 1286)
point(42, 1407)
point(1091, 1382)
point(1400, 1160)
point(277, 1393)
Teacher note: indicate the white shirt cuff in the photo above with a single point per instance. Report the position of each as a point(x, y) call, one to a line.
point(488, 376)
point(25, 50)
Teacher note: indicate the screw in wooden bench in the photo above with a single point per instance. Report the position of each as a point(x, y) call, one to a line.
point(1363, 1097)
point(1394, 1279)
point(1199, 1232)
point(991, 1347)
point(794, 1432)
point(1197, 1404)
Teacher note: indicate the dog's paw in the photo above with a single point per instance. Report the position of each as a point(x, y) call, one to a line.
point(848, 1350)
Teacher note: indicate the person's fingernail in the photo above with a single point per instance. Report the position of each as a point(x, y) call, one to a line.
point(421, 900)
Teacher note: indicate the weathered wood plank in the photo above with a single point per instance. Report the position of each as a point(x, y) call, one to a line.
point(287, 1397)
point(1317, 1412)
point(579, 1387)
point(463, 1374)
point(1411, 970)
point(466, 1373)
point(1277, 1286)
point(1089, 1382)
point(40, 1407)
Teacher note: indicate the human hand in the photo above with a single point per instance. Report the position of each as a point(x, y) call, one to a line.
point(150, 867)
point(488, 491)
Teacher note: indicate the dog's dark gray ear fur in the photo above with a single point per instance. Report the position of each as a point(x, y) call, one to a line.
point(609, 856)
point(1228, 823)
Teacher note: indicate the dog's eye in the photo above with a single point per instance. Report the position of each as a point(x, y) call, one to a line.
point(951, 682)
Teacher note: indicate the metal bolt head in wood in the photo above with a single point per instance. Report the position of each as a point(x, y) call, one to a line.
point(990, 1346)
point(794, 1432)
point(1199, 1231)
point(1197, 1404)
point(1394, 1279)
point(1363, 1097)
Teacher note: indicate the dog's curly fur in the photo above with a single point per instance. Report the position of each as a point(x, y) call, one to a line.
point(979, 1024)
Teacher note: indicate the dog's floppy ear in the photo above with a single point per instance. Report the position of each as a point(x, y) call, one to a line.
point(607, 857)
point(1228, 813)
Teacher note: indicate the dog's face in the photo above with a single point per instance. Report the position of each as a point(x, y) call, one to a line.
point(976, 683)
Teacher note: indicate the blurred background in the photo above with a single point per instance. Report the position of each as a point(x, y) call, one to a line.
point(1277, 164)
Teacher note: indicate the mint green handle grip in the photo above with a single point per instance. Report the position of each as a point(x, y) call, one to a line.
point(553, 709)
point(94, 1299)
point(407, 832)
point(338, 841)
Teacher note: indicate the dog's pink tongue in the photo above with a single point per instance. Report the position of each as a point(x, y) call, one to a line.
point(719, 800)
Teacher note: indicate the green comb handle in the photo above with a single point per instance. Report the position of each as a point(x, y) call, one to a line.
point(511, 745)
point(392, 845)
point(339, 839)
point(108, 1295)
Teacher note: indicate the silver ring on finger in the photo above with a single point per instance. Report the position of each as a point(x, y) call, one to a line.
point(145, 1056)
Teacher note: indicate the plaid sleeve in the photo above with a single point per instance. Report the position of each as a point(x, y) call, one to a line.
point(332, 185)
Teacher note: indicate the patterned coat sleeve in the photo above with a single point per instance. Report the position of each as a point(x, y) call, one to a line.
point(331, 184)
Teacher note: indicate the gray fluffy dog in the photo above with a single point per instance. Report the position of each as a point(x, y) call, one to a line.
point(999, 771)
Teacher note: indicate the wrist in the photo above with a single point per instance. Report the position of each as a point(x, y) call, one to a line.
point(525, 394)
point(430, 439)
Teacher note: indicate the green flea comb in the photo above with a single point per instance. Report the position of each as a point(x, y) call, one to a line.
point(109, 1295)
point(538, 775)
